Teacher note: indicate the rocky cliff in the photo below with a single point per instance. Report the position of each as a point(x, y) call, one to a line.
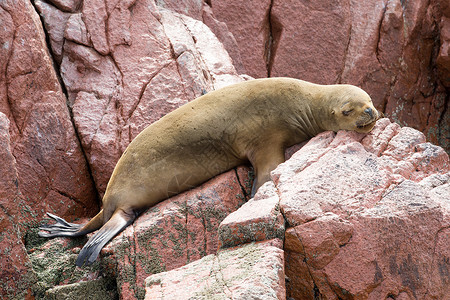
point(347, 216)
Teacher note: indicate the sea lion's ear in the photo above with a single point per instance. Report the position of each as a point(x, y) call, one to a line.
point(333, 112)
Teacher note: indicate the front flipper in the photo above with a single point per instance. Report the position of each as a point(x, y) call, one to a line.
point(264, 161)
point(60, 228)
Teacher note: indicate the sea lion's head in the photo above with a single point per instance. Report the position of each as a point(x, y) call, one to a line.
point(352, 109)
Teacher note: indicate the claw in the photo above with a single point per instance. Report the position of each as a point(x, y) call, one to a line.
point(60, 228)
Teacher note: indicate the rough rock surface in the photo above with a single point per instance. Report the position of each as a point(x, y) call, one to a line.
point(368, 216)
point(77, 84)
point(252, 271)
point(398, 51)
point(52, 171)
point(259, 219)
point(122, 64)
point(16, 278)
point(43, 165)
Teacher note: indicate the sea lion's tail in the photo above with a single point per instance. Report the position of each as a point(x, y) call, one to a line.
point(92, 248)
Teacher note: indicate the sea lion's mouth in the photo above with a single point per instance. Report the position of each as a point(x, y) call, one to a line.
point(366, 125)
point(371, 122)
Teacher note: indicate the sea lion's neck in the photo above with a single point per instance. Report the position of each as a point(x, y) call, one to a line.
point(312, 115)
point(304, 124)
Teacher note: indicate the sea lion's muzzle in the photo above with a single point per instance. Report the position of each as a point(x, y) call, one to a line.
point(369, 111)
point(369, 118)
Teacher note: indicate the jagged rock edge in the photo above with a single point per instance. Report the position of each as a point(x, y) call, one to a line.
point(69, 109)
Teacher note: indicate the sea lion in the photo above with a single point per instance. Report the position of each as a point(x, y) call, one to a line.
point(252, 121)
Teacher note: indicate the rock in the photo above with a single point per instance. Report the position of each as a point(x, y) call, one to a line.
point(259, 219)
point(365, 215)
point(251, 271)
point(16, 274)
point(52, 171)
point(220, 30)
point(67, 5)
point(443, 59)
point(310, 23)
point(103, 288)
point(55, 22)
point(193, 9)
point(249, 23)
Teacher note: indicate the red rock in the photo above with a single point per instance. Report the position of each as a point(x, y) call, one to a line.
point(220, 30)
point(321, 238)
point(193, 9)
point(315, 29)
point(44, 166)
point(75, 30)
point(169, 235)
point(55, 24)
point(259, 219)
point(95, 16)
point(249, 23)
point(201, 11)
point(365, 213)
point(443, 59)
point(367, 208)
point(67, 5)
point(251, 271)
point(52, 171)
point(16, 274)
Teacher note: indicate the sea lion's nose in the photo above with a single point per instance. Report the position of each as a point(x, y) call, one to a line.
point(369, 111)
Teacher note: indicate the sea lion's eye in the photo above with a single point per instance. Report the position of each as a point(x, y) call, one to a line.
point(347, 112)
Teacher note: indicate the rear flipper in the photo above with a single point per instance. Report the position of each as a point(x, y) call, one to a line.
point(92, 248)
point(64, 228)
point(60, 228)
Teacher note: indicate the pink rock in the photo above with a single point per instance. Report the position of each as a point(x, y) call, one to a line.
point(95, 17)
point(15, 270)
point(249, 23)
point(52, 171)
point(321, 238)
point(366, 212)
point(144, 77)
point(259, 219)
point(76, 30)
point(221, 31)
point(325, 186)
point(310, 23)
point(251, 271)
point(193, 9)
point(217, 60)
point(55, 24)
point(169, 235)
point(67, 5)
